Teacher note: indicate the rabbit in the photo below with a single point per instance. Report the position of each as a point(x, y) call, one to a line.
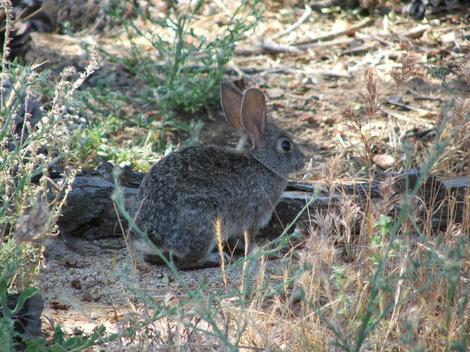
point(184, 194)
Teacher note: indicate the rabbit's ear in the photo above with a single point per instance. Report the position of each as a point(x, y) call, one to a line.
point(231, 99)
point(254, 113)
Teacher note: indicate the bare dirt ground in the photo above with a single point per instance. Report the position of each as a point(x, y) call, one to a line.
point(88, 286)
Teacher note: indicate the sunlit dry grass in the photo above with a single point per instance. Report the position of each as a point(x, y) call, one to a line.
point(368, 274)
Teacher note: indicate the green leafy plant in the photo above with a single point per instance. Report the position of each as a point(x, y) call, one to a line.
point(185, 67)
point(181, 74)
point(30, 141)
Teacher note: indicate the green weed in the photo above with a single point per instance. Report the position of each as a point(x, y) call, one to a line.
point(185, 67)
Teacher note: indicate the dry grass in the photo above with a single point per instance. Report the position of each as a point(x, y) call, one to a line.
point(387, 294)
point(455, 122)
point(371, 102)
point(374, 276)
point(465, 71)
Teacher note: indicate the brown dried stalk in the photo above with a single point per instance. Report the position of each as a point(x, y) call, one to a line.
point(410, 67)
point(33, 222)
point(371, 102)
point(370, 98)
point(464, 69)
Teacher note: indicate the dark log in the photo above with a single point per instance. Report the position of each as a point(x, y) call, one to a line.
point(90, 214)
point(27, 321)
point(442, 201)
point(420, 8)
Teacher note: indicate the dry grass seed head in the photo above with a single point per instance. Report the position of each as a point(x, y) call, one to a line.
point(321, 256)
point(352, 117)
point(370, 98)
point(331, 169)
point(33, 222)
point(350, 214)
point(460, 117)
point(410, 67)
point(6, 5)
point(464, 69)
point(389, 196)
point(371, 103)
point(454, 123)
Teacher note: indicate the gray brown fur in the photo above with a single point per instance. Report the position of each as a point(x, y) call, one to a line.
point(186, 192)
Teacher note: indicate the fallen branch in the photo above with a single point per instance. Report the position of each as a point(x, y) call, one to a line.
point(299, 47)
point(344, 41)
point(416, 32)
point(286, 71)
point(418, 96)
point(443, 201)
point(319, 5)
point(268, 48)
point(328, 36)
point(89, 213)
point(358, 49)
point(415, 120)
point(273, 48)
point(306, 14)
point(395, 100)
point(256, 70)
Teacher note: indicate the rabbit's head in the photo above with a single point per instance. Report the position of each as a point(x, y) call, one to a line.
point(271, 146)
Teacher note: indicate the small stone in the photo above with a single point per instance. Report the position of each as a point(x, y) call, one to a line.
point(86, 296)
point(384, 161)
point(76, 284)
point(275, 93)
point(59, 305)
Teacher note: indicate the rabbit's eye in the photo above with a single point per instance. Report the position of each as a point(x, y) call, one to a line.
point(285, 145)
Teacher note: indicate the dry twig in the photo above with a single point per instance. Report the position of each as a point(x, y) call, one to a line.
point(328, 36)
point(394, 100)
point(302, 19)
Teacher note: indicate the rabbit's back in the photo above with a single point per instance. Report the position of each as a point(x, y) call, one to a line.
point(188, 190)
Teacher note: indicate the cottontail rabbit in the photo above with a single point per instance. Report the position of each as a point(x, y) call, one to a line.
point(187, 191)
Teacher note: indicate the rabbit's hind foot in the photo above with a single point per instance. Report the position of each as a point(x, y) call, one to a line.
point(155, 259)
point(212, 260)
